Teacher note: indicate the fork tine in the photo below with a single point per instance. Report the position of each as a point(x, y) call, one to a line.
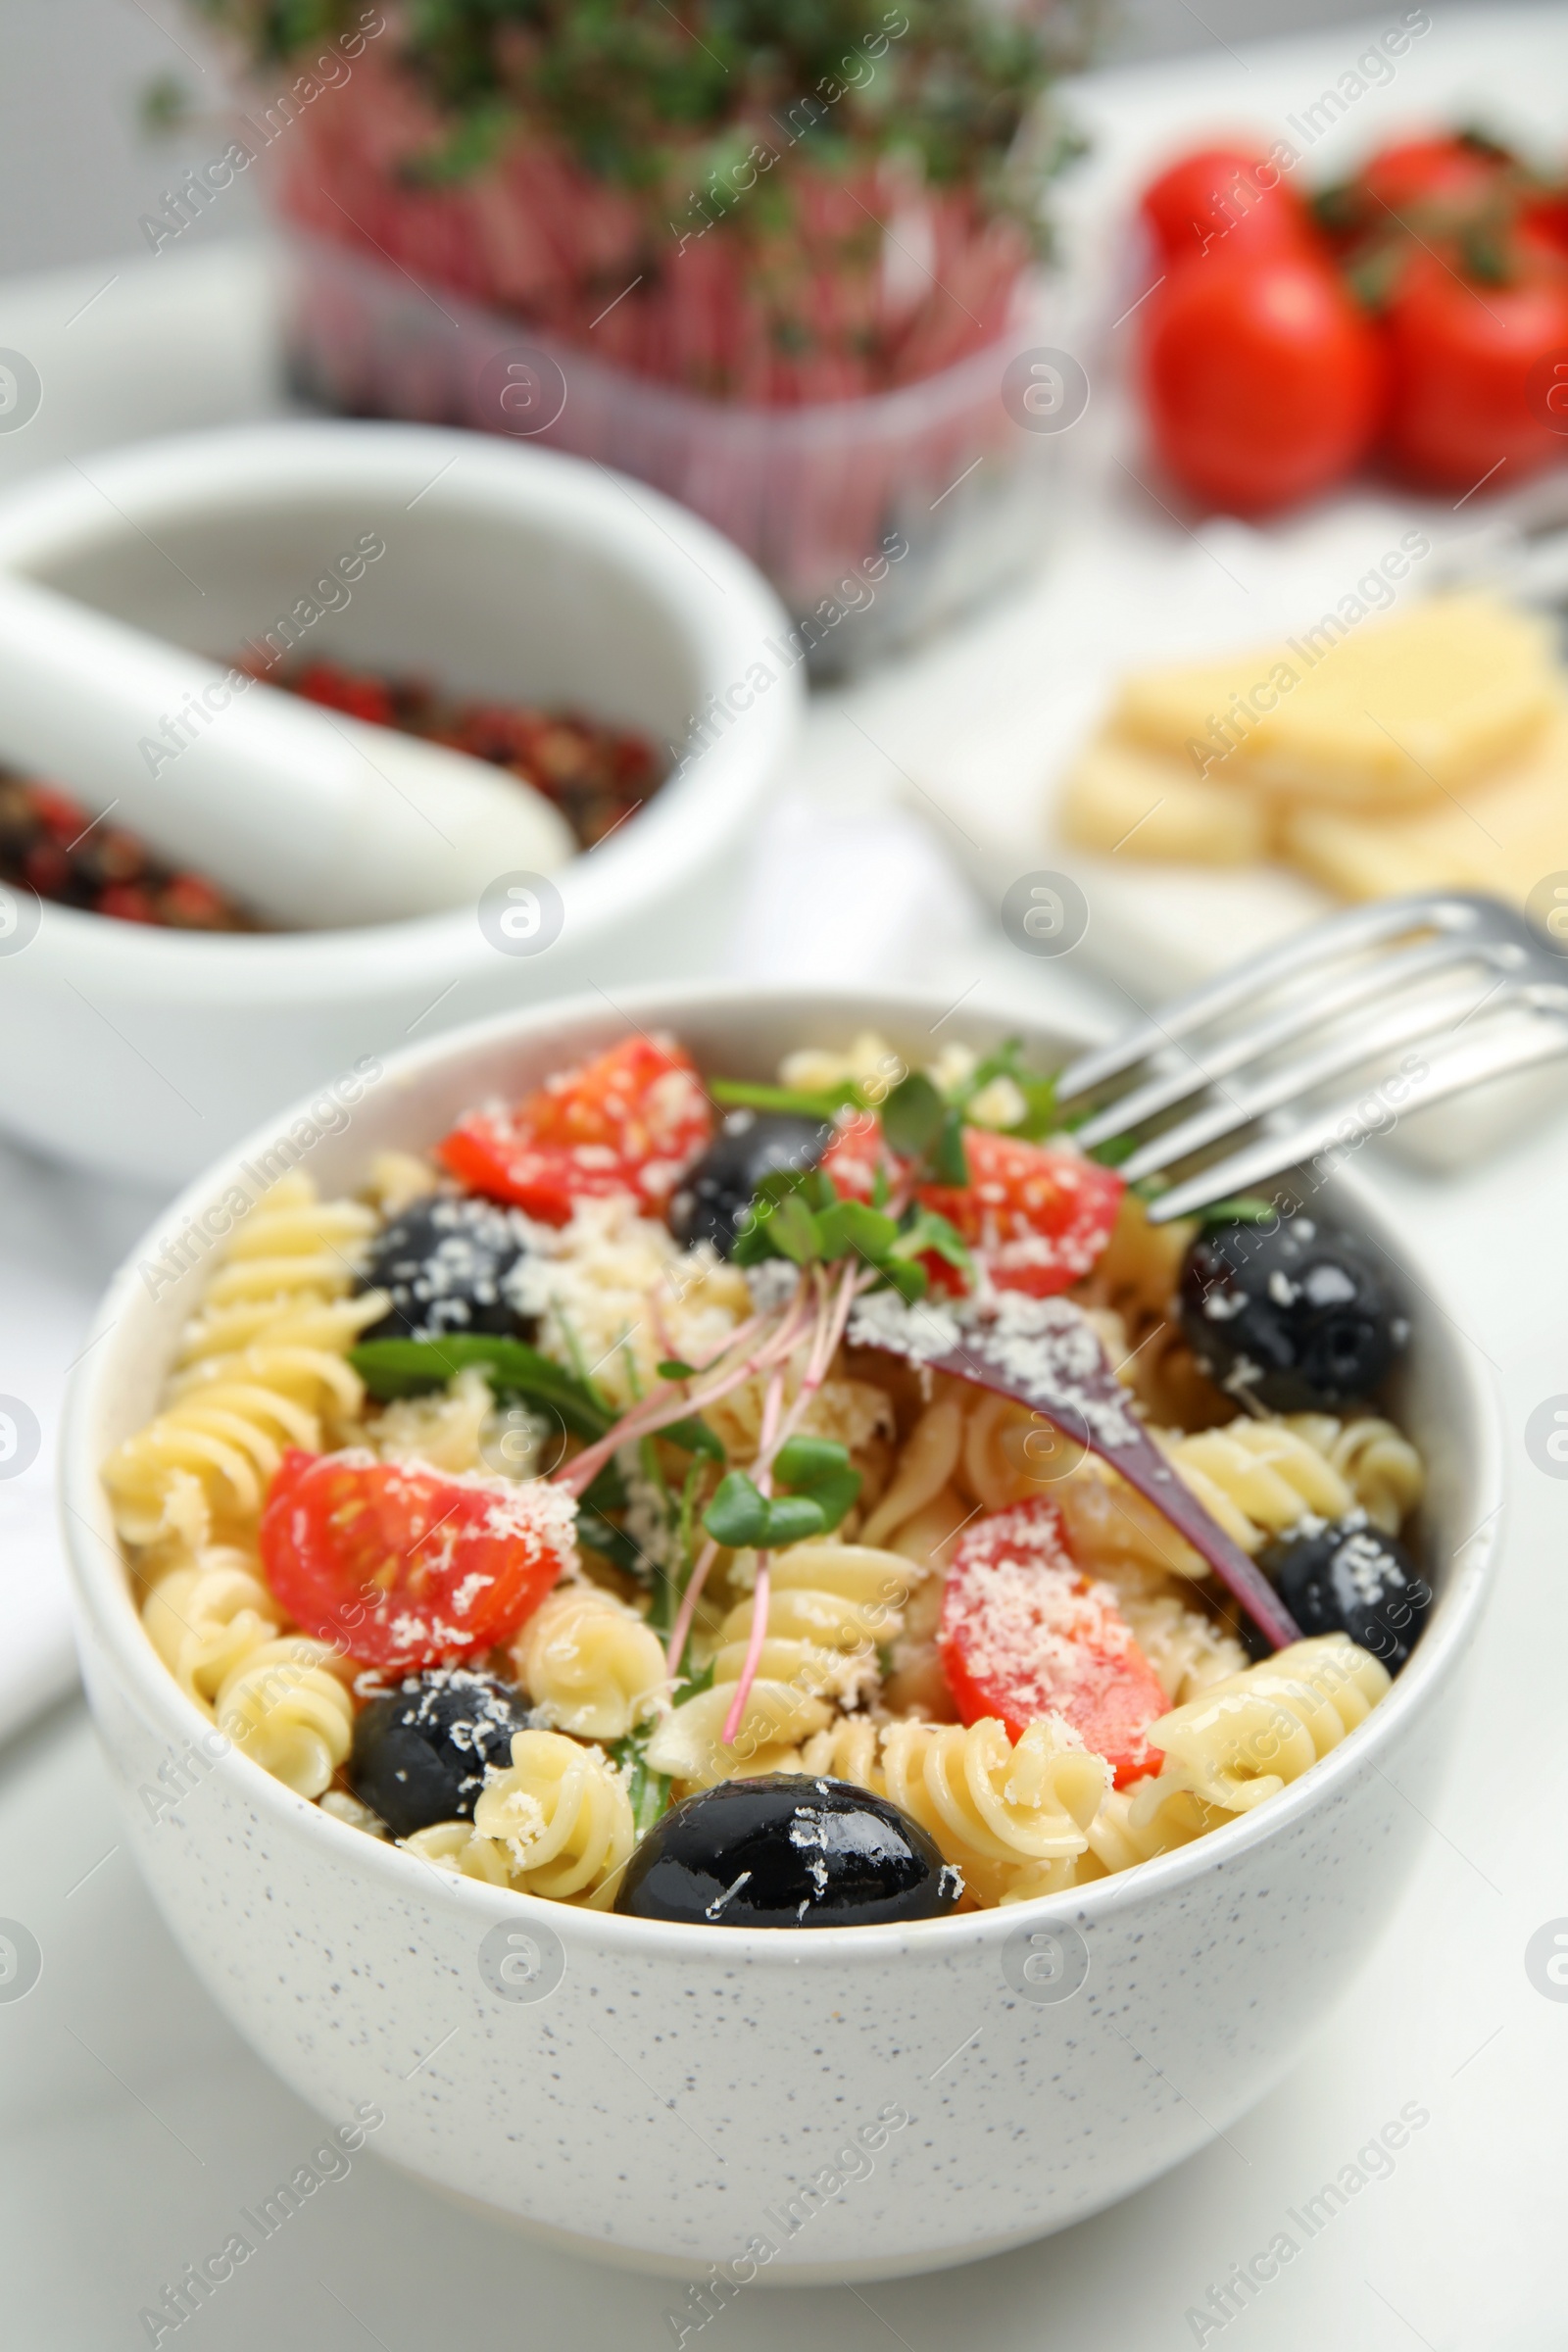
point(1379, 977)
point(1485, 1055)
point(1358, 927)
point(1402, 1026)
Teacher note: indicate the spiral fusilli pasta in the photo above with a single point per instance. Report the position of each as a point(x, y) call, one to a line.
point(260, 1367)
point(992, 1807)
point(286, 1708)
point(589, 1663)
point(1152, 1817)
point(279, 1698)
point(1381, 1468)
point(1243, 1740)
point(1257, 1477)
point(831, 1605)
point(925, 1467)
point(560, 1818)
point(206, 1618)
point(846, 1751)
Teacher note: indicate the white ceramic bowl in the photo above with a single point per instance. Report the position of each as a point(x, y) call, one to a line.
point(678, 2093)
point(510, 572)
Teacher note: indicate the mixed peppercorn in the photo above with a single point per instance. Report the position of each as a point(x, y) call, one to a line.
point(596, 775)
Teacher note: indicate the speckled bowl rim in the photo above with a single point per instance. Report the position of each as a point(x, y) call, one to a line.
point(106, 1606)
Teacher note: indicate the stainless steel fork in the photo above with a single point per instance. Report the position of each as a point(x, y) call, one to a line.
point(1333, 1036)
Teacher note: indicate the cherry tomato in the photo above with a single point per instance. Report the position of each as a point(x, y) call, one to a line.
point(1263, 382)
point(1224, 200)
point(1039, 1216)
point(857, 1154)
point(1024, 1632)
point(630, 1121)
point(1433, 185)
point(1544, 224)
point(404, 1565)
point(1469, 363)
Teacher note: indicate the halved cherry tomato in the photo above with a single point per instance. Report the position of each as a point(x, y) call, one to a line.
point(1038, 1214)
point(1467, 397)
point(404, 1565)
point(1263, 381)
point(857, 1154)
point(1024, 1632)
point(632, 1120)
point(1223, 200)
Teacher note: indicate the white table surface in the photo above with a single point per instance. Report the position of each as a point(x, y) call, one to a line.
point(133, 2120)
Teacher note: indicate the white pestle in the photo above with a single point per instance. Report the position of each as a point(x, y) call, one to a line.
point(312, 819)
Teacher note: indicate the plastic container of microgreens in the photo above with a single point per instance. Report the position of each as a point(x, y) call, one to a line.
point(877, 519)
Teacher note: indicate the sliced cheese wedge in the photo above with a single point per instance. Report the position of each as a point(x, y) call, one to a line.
point(1375, 713)
point(1121, 797)
point(1505, 835)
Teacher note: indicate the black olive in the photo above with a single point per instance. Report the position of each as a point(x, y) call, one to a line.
point(420, 1752)
point(787, 1851)
point(721, 1187)
point(1294, 1314)
point(445, 1262)
point(1349, 1579)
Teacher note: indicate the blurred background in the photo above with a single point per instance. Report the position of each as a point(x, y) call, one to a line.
point(79, 166)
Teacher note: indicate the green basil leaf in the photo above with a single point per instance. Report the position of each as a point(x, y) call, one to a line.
point(694, 1689)
point(790, 1518)
point(1248, 1209)
point(612, 1543)
point(411, 1367)
point(794, 1231)
point(754, 1244)
point(739, 1093)
point(926, 1229)
point(605, 1491)
point(737, 1516)
point(908, 1277)
point(802, 1460)
point(673, 1369)
point(948, 1164)
point(1113, 1150)
point(648, 1792)
point(1040, 1117)
point(869, 1232)
point(913, 1116)
point(835, 1494)
point(818, 1470)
